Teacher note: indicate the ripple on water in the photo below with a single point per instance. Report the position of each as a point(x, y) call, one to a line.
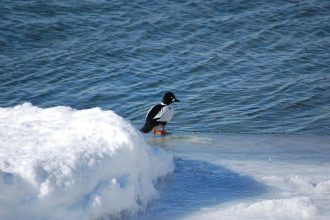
point(251, 67)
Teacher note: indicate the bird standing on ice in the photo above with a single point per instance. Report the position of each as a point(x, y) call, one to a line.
point(160, 114)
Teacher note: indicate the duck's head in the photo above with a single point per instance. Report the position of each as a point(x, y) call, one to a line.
point(169, 98)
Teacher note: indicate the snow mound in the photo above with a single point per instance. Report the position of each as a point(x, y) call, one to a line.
point(61, 163)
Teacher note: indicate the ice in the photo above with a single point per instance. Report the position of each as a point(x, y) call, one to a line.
point(61, 163)
point(238, 176)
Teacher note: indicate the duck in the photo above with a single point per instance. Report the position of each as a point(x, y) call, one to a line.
point(159, 115)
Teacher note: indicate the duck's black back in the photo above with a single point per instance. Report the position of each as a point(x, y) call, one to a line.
point(150, 121)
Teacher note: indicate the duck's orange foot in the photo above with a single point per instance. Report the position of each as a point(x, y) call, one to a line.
point(161, 132)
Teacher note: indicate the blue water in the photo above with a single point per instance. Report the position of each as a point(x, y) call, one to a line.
point(237, 66)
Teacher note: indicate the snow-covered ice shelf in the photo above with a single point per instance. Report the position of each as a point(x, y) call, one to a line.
point(245, 176)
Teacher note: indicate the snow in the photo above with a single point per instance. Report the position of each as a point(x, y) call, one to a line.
point(62, 163)
point(290, 208)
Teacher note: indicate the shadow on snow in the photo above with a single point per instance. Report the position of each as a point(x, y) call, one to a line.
point(197, 184)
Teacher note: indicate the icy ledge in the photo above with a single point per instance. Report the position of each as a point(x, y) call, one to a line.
point(61, 163)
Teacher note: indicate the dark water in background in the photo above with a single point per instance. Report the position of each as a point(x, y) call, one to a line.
point(237, 66)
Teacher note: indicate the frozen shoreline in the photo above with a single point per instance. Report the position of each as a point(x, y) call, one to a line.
point(84, 164)
point(61, 163)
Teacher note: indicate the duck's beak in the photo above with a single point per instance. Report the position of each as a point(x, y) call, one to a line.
point(176, 100)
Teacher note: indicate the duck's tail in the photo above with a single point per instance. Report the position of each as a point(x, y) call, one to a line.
point(146, 128)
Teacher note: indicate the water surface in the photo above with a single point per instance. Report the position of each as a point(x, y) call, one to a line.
point(237, 66)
